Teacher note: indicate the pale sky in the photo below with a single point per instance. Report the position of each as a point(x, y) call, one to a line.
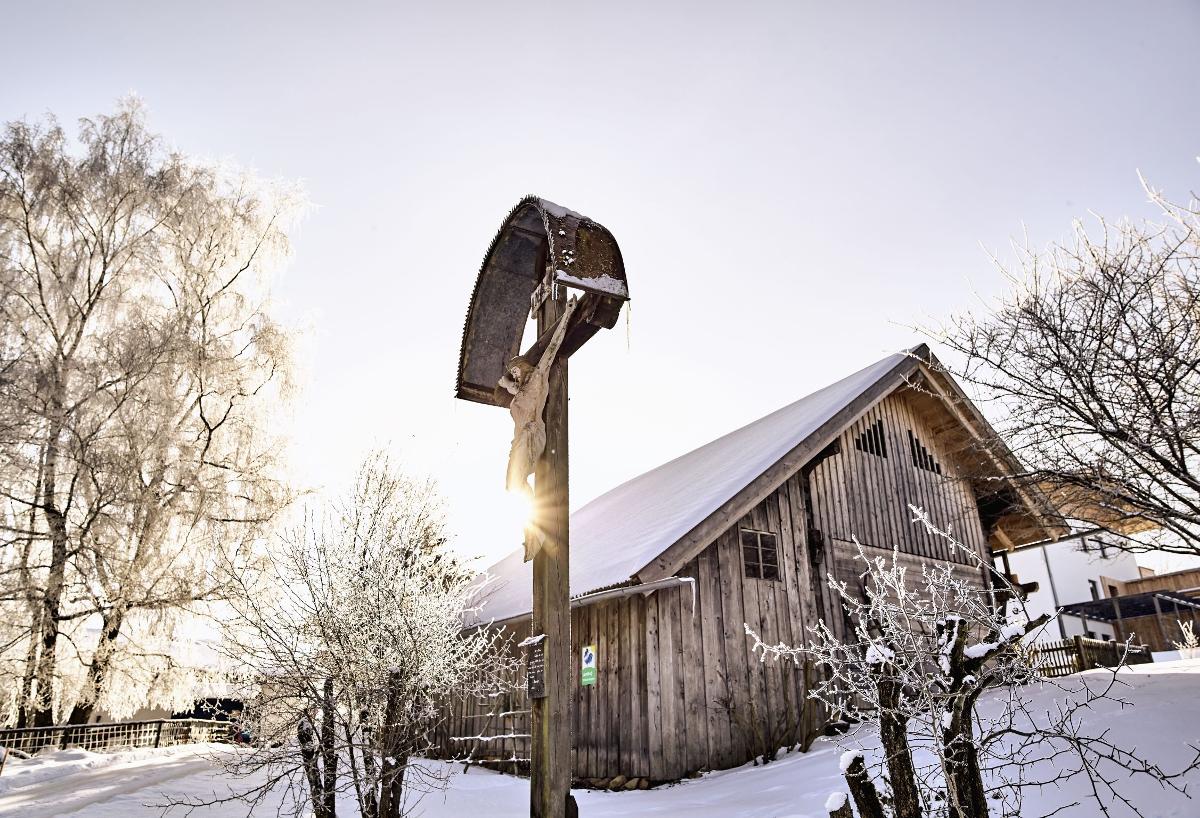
point(791, 184)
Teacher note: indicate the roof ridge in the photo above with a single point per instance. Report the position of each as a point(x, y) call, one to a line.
point(911, 351)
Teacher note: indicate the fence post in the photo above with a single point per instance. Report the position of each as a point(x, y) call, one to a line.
point(158, 734)
point(62, 745)
point(1080, 661)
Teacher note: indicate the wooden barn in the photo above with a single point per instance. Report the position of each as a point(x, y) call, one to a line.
point(668, 567)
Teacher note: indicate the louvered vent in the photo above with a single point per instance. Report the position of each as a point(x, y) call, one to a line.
point(921, 457)
point(871, 441)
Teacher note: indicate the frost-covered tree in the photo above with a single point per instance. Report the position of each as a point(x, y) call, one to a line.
point(1090, 368)
point(139, 362)
point(350, 636)
point(939, 666)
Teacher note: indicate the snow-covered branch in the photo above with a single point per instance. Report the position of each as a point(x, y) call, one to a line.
point(925, 651)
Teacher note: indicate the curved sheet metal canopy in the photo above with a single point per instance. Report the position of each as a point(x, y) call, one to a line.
point(538, 236)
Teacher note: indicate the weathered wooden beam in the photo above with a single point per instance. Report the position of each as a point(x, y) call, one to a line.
point(1162, 629)
point(550, 745)
point(594, 313)
point(1119, 627)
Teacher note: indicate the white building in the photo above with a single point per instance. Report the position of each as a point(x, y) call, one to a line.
point(1072, 570)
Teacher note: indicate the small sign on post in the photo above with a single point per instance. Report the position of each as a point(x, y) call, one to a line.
point(535, 666)
point(587, 672)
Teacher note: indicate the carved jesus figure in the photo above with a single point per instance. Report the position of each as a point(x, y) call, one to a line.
point(529, 385)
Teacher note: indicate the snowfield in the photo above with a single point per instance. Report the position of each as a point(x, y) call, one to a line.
point(1164, 720)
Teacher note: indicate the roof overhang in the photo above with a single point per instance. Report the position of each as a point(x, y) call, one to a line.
point(1131, 606)
point(1017, 511)
point(1101, 509)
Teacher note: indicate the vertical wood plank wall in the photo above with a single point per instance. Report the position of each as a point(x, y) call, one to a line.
point(859, 494)
point(668, 660)
point(709, 677)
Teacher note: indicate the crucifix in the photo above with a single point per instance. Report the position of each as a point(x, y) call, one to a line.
point(567, 270)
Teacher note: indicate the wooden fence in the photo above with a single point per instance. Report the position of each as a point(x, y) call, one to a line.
point(1067, 656)
point(115, 735)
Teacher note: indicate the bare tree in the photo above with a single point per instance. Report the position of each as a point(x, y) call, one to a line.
point(1090, 367)
point(944, 675)
point(351, 638)
point(140, 363)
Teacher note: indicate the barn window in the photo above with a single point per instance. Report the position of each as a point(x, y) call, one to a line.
point(921, 457)
point(871, 441)
point(760, 554)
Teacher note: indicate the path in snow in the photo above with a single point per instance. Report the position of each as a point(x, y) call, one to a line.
point(1165, 718)
point(79, 782)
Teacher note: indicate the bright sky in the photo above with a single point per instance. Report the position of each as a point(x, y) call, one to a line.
point(791, 184)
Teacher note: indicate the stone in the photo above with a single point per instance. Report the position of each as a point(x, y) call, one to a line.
point(617, 782)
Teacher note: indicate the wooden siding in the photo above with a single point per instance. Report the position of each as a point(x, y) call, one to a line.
point(609, 719)
point(711, 681)
point(1185, 580)
point(858, 494)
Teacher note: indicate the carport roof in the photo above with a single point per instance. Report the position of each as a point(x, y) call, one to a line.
point(1131, 606)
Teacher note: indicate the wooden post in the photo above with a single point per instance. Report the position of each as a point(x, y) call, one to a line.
point(550, 745)
point(1079, 661)
point(1120, 627)
point(1162, 630)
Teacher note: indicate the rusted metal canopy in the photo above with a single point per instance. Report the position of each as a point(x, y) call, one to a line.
point(538, 236)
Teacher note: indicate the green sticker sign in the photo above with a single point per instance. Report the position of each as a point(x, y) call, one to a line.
point(587, 674)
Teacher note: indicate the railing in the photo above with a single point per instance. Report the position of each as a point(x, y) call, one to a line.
point(115, 735)
point(1067, 656)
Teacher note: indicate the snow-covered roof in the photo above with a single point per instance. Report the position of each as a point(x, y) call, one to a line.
point(620, 532)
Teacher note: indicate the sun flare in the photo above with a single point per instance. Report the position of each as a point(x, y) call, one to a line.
point(518, 510)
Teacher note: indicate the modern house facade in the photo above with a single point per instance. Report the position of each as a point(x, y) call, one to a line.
point(1073, 569)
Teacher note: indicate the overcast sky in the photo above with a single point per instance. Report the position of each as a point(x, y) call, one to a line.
point(792, 184)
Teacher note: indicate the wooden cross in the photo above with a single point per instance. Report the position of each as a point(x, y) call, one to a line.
point(541, 251)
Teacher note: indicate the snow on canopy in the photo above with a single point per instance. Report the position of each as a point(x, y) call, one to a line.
point(620, 532)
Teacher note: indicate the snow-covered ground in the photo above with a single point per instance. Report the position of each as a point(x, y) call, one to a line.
point(1164, 720)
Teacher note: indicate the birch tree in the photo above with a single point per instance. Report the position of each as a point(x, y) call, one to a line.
point(141, 364)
